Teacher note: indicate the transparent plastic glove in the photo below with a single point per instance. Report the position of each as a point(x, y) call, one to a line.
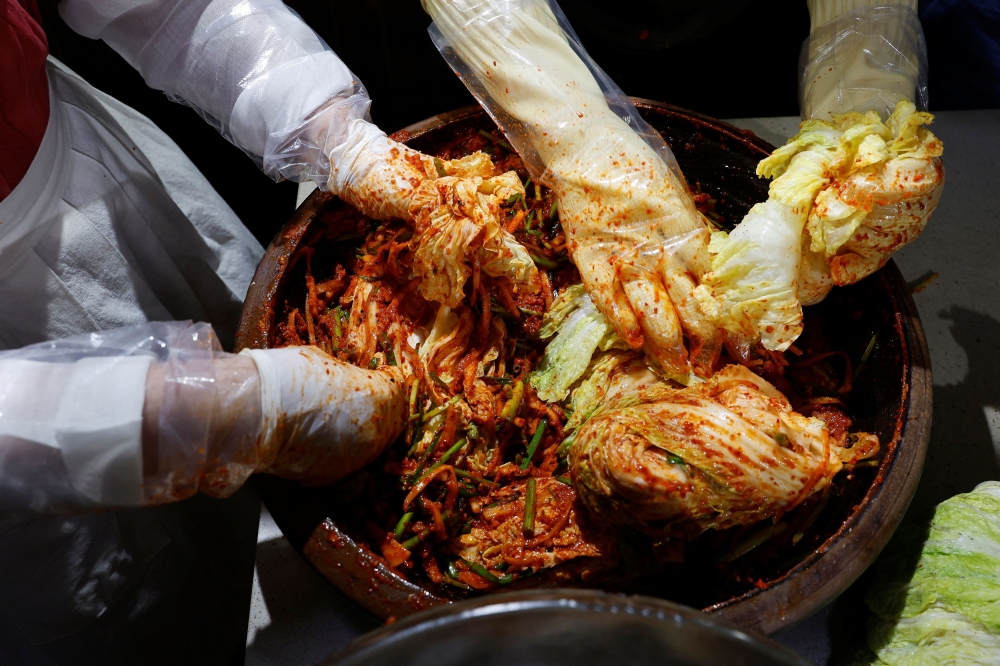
point(848, 190)
point(76, 431)
point(323, 418)
point(862, 55)
point(251, 68)
point(156, 412)
point(454, 206)
point(632, 228)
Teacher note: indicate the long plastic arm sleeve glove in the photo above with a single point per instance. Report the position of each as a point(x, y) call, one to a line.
point(252, 68)
point(859, 180)
point(861, 55)
point(631, 226)
point(259, 74)
point(157, 412)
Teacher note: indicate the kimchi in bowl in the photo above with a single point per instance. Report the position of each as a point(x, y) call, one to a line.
point(861, 363)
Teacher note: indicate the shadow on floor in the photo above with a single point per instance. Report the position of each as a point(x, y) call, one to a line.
point(962, 454)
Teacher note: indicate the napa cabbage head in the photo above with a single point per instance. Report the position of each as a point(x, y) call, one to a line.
point(936, 595)
point(580, 330)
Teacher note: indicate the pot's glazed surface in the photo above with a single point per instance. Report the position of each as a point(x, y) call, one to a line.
point(892, 398)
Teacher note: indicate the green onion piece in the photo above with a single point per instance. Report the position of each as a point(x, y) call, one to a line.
point(449, 453)
point(472, 431)
point(526, 183)
point(675, 460)
point(418, 434)
point(513, 405)
point(563, 449)
point(869, 348)
point(480, 570)
point(485, 135)
point(337, 331)
point(514, 198)
point(530, 313)
point(533, 445)
point(440, 382)
point(496, 309)
point(527, 220)
point(554, 209)
point(414, 390)
point(455, 583)
point(410, 544)
point(538, 192)
point(864, 357)
point(499, 380)
point(401, 525)
point(506, 146)
point(427, 454)
point(533, 232)
point(452, 570)
point(541, 261)
point(390, 356)
point(437, 410)
point(564, 479)
point(745, 546)
point(439, 165)
point(373, 363)
point(923, 284)
point(369, 278)
point(529, 508)
point(472, 477)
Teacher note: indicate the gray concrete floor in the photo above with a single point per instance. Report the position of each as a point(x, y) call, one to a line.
point(298, 618)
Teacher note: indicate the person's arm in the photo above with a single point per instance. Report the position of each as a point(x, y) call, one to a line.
point(257, 72)
point(861, 55)
point(252, 68)
point(157, 412)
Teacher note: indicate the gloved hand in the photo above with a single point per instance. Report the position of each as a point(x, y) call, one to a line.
point(157, 412)
point(453, 205)
point(324, 419)
point(859, 180)
point(631, 227)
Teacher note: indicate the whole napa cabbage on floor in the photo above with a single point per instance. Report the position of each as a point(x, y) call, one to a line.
point(936, 596)
point(846, 195)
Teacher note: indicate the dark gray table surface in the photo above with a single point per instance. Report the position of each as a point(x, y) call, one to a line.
point(297, 618)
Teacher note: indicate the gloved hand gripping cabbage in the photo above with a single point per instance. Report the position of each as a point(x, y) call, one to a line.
point(846, 195)
point(859, 181)
point(452, 204)
point(632, 228)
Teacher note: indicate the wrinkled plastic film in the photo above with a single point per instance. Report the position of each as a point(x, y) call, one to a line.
point(869, 58)
point(208, 424)
point(624, 206)
point(251, 68)
point(507, 25)
point(71, 420)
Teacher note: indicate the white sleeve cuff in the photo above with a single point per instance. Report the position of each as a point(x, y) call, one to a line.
point(90, 410)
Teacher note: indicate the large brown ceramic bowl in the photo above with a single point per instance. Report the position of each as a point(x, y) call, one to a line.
point(891, 397)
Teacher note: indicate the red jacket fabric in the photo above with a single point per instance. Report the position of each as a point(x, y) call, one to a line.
point(24, 89)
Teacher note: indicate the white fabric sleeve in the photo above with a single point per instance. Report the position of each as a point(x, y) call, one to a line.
point(71, 420)
point(252, 68)
point(861, 55)
point(89, 411)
